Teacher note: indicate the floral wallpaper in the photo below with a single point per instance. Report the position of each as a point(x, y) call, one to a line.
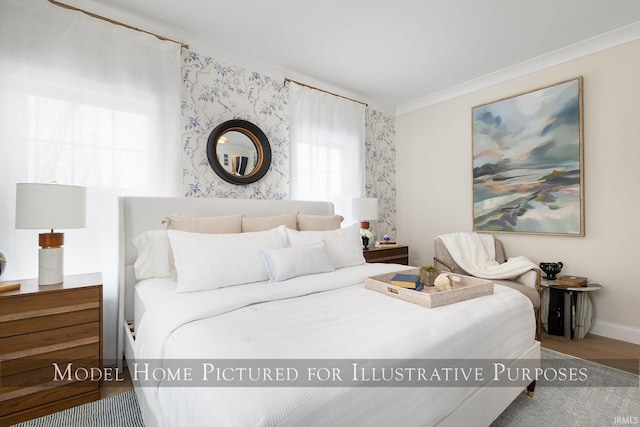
point(380, 170)
point(214, 92)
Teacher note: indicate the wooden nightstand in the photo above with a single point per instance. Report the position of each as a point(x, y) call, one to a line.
point(43, 325)
point(394, 255)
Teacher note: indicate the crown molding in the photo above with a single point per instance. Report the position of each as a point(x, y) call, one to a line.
point(595, 44)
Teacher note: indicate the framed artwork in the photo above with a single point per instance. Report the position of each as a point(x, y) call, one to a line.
point(527, 162)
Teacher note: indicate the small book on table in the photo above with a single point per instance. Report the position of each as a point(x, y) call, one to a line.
point(9, 286)
point(411, 281)
point(571, 281)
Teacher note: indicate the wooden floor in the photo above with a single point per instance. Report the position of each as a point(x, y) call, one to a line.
point(113, 388)
point(606, 351)
point(617, 354)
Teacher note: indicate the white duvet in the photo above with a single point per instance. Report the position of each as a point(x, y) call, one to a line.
point(330, 316)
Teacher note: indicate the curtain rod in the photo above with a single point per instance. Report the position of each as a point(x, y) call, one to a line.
point(286, 80)
point(111, 21)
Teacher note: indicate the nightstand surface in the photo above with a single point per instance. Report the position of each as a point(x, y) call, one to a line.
point(29, 286)
point(45, 325)
point(393, 255)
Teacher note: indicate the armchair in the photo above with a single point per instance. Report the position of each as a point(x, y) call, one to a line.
point(444, 260)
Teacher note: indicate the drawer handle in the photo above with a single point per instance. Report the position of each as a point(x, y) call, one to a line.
point(393, 291)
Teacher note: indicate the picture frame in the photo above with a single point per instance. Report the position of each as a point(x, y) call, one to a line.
point(528, 171)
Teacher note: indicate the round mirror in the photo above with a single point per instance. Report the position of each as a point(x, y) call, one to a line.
point(239, 152)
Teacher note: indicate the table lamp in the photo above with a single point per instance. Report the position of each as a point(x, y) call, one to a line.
point(365, 209)
point(50, 206)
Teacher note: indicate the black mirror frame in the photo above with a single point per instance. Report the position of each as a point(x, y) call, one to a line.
point(259, 139)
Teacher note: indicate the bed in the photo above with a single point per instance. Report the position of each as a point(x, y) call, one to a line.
point(327, 317)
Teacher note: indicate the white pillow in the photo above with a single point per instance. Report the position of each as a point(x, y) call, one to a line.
point(211, 261)
point(153, 254)
point(203, 224)
point(286, 263)
point(344, 245)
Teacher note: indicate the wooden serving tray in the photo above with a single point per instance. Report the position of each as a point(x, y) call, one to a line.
point(464, 288)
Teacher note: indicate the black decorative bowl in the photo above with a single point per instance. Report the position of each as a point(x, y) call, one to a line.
point(551, 269)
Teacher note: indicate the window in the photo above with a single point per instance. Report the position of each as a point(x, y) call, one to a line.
point(84, 102)
point(89, 145)
point(327, 148)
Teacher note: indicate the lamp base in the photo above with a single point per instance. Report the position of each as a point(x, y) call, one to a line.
point(51, 240)
point(50, 262)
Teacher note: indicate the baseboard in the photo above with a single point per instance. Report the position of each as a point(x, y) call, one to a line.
point(615, 331)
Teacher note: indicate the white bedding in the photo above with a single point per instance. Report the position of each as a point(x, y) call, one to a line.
point(329, 315)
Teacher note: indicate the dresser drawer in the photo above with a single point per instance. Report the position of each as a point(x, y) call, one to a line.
point(46, 372)
point(28, 397)
point(43, 320)
point(87, 349)
point(21, 305)
point(46, 341)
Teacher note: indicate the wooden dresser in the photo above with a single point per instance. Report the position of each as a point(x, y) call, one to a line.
point(393, 255)
point(43, 325)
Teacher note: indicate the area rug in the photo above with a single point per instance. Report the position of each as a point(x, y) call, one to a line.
point(611, 398)
point(120, 410)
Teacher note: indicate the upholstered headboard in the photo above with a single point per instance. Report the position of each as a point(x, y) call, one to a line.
point(140, 214)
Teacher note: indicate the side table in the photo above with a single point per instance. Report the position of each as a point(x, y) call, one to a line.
point(43, 325)
point(576, 309)
point(390, 255)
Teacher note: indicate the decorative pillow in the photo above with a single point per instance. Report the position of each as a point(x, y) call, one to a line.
point(205, 224)
point(211, 261)
point(153, 254)
point(318, 222)
point(286, 263)
point(343, 245)
point(262, 223)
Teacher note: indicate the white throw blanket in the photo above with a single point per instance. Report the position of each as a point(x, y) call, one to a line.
point(476, 254)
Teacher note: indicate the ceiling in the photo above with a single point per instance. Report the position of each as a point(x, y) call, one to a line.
point(388, 51)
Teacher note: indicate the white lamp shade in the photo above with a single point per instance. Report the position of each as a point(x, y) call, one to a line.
point(50, 206)
point(365, 209)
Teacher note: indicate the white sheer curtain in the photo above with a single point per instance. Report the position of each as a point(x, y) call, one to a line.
point(327, 148)
point(88, 103)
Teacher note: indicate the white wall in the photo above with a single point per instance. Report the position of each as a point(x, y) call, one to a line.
point(434, 182)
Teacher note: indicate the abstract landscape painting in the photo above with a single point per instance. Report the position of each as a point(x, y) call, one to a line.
point(527, 162)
